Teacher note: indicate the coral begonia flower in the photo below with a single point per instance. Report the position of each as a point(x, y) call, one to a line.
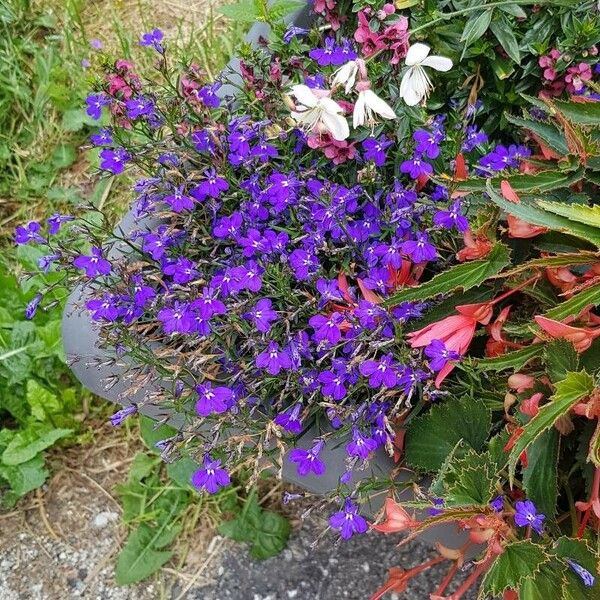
point(396, 518)
point(580, 337)
point(456, 332)
point(475, 247)
point(517, 228)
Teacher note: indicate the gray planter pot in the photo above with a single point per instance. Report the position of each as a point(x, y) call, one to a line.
point(94, 367)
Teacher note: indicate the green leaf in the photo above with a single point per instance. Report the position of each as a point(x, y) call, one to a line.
point(560, 357)
point(535, 215)
point(265, 531)
point(544, 584)
point(24, 477)
point(573, 306)
point(152, 432)
point(64, 156)
point(511, 360)
point(518, 563)
point(580, 113)
point(141, 555)
point(245, 12)
point(181, 471)
point(42, 402)
point(567, 393)
point(540, 475)
point(502, 29)
point(547, 132)
point(582, 553)
point(29, 442)
point(475, 27)
point(470, 480)
point(523, 183)
point(582, 213)
point(74, 119)
point(464, 276)
point(432, 436)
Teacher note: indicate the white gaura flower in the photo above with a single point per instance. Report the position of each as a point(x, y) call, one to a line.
point(416, 85)
point(368, 104)
point(346, 75)
point(315, 111)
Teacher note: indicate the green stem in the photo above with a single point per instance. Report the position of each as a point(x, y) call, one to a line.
point(469, 9)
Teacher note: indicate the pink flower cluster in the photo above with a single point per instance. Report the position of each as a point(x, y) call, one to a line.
point(327, 8)
point(394, 37)
point(336, 151)
point(574, 78)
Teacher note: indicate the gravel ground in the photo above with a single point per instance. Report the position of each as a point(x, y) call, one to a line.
point(331, 571)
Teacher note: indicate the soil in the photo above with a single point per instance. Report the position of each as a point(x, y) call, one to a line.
point(60, 543)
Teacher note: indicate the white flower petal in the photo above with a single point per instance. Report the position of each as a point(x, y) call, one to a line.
point(330, 106)
point(411, 88)
point(439, 63)
point(376, 104)
point(304, 95)
point(416, 54)
point(336, 125)
point(359, 113)
point(346, 75)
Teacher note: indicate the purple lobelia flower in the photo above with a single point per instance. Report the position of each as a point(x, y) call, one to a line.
point(228, 226)
point(304, 263)
point(182, 270)
point(327, 328)
point(437, 508)
point(290, 420)
point(95, 102)
point(420, 249)
point(262, 314)
point(415, 167)
point(497, 504)
point(208, 304)
point(348, 521)
point(291, 32)
point(153, 39)
point(473, 138)
point(374, 149)
point(178, 201)
point(122, 414)
point(155, 244)
point(32, 306)
point(585, 576)
point(502, 157)
point(329, 55)
point(208, 95)
point(427, 143)
point(212, 477)
point(102, 138)
point(106, 308)
point(526, 515)
point(361, 445)
point(273, 359)
point(55, 222)
point(329, 290)
point(369, 315)
point(114, 160)
point(202, 140)
point(29, 233)
point(45, 262)
point(410, 378)
point(451, 218)
point(247, 277)
point(94, 264)
point(308, 460)
point(177, 318)
point(439, 355)
point(212, 186)
point(212, 399)
point(140, 106)
point(333, 381)
point(382, 372)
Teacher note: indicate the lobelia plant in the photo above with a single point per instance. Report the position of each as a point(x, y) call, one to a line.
point(294, 269)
